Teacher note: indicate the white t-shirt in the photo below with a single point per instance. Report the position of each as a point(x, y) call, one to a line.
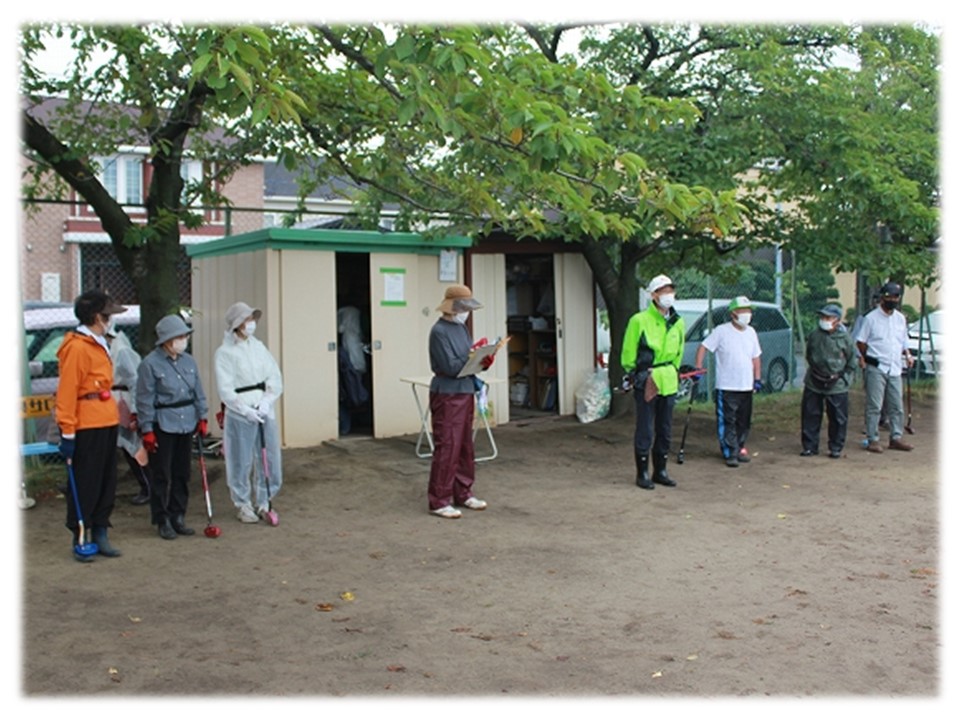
point(734, 350)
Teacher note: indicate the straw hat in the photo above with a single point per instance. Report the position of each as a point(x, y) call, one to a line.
point(458, 299)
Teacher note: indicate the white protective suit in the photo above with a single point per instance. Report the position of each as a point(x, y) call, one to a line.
point(242, 363)
point(125, 364)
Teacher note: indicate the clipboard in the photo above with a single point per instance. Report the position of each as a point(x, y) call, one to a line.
point(474, 364)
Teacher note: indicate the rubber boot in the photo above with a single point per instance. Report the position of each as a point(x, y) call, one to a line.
point(143, 497)
point(660, 471)
point(643, 474)
point(180, 527)
point(103, 542)
point(165, 529)
point(74, 541)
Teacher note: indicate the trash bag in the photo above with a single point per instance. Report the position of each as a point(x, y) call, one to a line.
point(593, 396)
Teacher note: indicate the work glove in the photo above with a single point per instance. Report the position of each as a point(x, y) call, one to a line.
point(478, 344)
point(487, 362)
point(150, 441)
point(757, 385)
point(202, 428)
point(67, 447)
point(264, 408)
point(251, 414)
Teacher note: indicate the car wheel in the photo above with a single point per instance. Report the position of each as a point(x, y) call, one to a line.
point(777, 375)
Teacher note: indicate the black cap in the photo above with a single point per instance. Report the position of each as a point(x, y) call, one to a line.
point(890, 288)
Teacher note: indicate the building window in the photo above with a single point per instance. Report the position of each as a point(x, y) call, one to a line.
point(122, 176)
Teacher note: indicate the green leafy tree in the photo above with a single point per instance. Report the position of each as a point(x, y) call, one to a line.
point(154, 86)
point(647, 146)
point(858, 149)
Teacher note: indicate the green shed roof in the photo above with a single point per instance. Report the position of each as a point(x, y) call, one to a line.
point(328, 240)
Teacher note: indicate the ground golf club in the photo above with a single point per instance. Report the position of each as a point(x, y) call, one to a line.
point(211, 530)
point(82, 548)
point(271, 514)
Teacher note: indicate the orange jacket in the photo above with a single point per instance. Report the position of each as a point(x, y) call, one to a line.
point(85, 368)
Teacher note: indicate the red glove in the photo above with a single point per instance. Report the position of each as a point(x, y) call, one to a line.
point(202, 427)
point(150, 442)
point(487, 362)
point(479, 344)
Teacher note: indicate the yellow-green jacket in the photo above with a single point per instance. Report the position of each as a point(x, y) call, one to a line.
point(655, 343)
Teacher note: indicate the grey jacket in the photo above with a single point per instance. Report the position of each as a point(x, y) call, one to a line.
point(831, 361)
point(163, 382)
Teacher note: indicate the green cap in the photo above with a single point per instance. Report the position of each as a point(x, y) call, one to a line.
point(739, 302)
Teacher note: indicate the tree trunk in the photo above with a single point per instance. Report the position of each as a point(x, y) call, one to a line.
point(155, 276)
point(614, 266)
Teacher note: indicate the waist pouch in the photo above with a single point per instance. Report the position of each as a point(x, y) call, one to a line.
point(823, 380)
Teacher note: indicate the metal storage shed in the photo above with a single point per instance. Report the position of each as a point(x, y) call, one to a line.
point(292, 275)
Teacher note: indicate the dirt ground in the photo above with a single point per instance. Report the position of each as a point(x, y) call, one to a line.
point(787, 577)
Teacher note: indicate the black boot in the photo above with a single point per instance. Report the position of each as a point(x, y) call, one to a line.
point(166, 529)
point(643, 474)
point(179, 527)
point(103, 542)
point(660, 471)
point(143, 497)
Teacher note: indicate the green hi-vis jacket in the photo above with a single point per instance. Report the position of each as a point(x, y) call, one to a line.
point(653, 342)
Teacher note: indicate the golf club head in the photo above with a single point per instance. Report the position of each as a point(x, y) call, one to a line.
point(86, 549)
point(212, 531)
point(271, 517)
point(680, 458)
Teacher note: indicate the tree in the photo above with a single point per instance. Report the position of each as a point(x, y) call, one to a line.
point(646, 146)
point(204, 92)
point(859, 151)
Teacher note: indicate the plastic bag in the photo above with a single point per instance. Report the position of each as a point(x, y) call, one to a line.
point(593, 397)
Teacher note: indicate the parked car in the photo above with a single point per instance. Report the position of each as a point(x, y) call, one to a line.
point(44, 328)
point(930, 354)
point(773, 331)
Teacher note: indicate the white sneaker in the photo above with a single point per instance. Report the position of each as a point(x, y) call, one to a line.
point(447, 511)
point(475, 503)
point(246, 514)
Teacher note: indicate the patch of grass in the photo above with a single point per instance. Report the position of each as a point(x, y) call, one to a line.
point(43, 475)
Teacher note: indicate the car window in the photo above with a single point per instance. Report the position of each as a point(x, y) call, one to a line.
point(769, 319)
point(48, 351)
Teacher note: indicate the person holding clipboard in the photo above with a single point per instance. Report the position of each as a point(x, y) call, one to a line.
point(451, 405)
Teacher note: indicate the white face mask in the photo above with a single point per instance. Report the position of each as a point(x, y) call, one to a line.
point(826, 325)
point(743, 319)
point(666, 300)
point(250, 328)
point(462, 317)
point(179, 346)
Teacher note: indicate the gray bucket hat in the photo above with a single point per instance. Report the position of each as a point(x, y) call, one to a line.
point(170, 327)
point(238, 312)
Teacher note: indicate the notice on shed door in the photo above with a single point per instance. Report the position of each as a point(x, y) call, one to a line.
point(393, 291)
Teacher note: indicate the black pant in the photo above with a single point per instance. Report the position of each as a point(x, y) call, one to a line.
point(654, 423)
point(95, 475)
point(734, 410)
point(170, 472)
point(811, 415)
